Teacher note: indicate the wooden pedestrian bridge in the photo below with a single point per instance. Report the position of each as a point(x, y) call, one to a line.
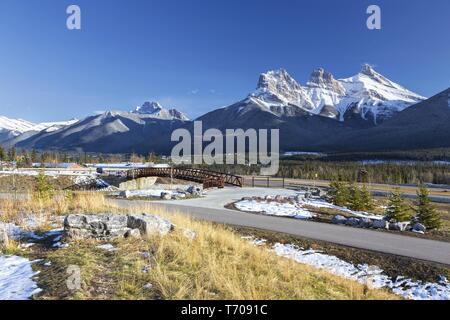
point(209, 179)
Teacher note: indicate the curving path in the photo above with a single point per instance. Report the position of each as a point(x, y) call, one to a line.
point(211, 208)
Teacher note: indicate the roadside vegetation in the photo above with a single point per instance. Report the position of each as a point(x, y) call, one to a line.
point(216, 264)
point(397, 209)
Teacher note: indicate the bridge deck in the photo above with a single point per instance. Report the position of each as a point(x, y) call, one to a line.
point(209, 179)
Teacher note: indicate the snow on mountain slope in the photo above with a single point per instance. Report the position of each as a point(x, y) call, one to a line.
point(155, 110)
point(14, 127)
point(368, 94)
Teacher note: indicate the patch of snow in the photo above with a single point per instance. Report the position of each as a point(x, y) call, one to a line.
point(16, 278)
point(154, 193)
point(273, 208)
point(107, 247)
point(365, 274)
point(60, 245)
point(324, 204)
point(298, 210)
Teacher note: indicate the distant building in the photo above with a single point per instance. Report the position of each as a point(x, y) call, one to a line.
point(120, 166)
point(61, 165)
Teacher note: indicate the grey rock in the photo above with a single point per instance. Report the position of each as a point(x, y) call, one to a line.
point(124, 194)
point(352, 222)
point(399, 226)
point(105, 226)
point(338, 219)
point(148, 286)
point(380, 224)
point(315, 192)
point(196, 191)
point(166, 196)
point(109, 226)
point(149, 224)
point(365, 223)
point(418, 227)
point(133, 233)
point(189, 234)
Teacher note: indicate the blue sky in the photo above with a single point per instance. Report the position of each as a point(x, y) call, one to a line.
point(197, 55)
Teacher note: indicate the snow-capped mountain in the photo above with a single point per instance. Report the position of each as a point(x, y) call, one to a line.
point(369, 95)
point(111, 131)
point(155, 110)
point(10, 128)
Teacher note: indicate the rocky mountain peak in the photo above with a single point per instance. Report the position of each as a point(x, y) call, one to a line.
point(325, 80)
point(156, 110)
point(149, 107)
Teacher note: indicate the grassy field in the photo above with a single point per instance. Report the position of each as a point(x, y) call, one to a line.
point(24, 183)
point(216, 264)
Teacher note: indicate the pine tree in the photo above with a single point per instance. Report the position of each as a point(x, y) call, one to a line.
point(356, 200)
point(44, 190)
point(426, 212)
point(33, 155)
point(366, 198)
point(12, 154)
point(2, 154)
point(339, 193)
point(397, 209)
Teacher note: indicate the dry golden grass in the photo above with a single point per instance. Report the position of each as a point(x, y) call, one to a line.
point(217, 264)
point(45, 210)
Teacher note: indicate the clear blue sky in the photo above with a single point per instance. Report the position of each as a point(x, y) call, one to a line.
point(197, 55)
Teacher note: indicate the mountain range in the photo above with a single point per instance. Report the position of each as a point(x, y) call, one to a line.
point(364, 112)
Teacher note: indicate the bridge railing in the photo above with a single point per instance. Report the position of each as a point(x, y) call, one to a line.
point(208, 178)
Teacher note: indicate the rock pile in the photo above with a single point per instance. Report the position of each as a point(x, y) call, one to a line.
point(110, 226)
point(378, 224)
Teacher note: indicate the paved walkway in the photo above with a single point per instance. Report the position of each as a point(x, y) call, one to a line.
point(211, 208)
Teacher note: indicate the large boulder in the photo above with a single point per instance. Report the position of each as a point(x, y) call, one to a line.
point(398, 226)
point(125, 194)
point(149, 224)
point(110, 226)
point(419, 228)
point(365, 223)
point(352, 222)
point(166, 196)
point(195, 191)
point(106, 226)
point(338, 219)
point(380, 224)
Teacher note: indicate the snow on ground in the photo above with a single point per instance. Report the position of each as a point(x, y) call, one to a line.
point(370, 275)
point(78, 178)
point(50, 173)
point(155, 193)
point(107, 247)
point(274, 208)
point(324, 204)
point(16, 278)
point(297, 210)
